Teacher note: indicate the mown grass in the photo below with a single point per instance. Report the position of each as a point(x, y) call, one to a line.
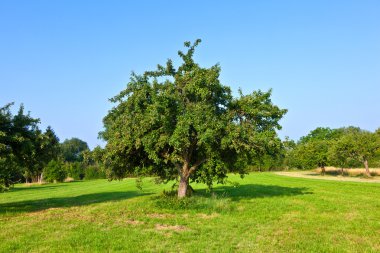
point(266, 213)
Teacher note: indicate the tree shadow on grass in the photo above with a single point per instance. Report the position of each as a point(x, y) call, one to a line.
point(224, 198)
point(250, 191)
point(37, 187)
point(81, 200)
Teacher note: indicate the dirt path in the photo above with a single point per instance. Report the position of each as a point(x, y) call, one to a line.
point(314, 175)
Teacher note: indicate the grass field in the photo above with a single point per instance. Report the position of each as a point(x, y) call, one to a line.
point(266, 213)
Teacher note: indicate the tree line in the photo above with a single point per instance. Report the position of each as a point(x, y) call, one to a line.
point(29, 154)
point(345, 147)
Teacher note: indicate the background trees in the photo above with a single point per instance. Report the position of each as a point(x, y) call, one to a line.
point(184, 124)
point(355, 146)
point(28, 154)
point(346, 147)
point(17, 135)
point(72, 149)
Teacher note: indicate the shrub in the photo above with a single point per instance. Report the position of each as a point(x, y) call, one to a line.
point(75, 170)
point(55, 171)
point(94, 172)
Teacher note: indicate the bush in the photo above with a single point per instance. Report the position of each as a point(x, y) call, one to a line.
point(94, 172)
point(75, 170)
point(55, 171)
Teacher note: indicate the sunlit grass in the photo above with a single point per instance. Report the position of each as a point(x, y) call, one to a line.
point(266, 213)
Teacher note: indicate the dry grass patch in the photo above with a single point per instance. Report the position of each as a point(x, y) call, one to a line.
point(160, 215)
point(352, 172)
point(177, 228)
point(208, 216)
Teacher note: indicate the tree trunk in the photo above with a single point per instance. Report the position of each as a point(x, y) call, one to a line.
point(366, 168)
point(342, 171)
point(183, 186)
point(323, 170)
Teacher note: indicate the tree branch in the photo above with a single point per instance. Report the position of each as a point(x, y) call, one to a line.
point(196, 165)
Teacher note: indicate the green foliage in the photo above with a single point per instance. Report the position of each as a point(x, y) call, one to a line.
point(94, 172)
point(24, 149)
point(75, 170)
point(321, 134)
point(345, 147)
point(72, 149)
point(355, 148)
point(313, 149)
point(183, 123)
point(10, 172)
point(55, 171)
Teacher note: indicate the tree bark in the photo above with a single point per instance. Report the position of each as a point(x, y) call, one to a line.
point(323, 170)
point(366, 168)
point(183, 186)
point(184, 173)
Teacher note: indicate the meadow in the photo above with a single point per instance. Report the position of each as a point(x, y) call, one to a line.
point(263, 212)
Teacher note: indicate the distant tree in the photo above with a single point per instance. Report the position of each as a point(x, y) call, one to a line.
point(55, 171)
point(321, 133)
point(47, 148)
point(342, 152)
point(184, 124)
point(312, 150)
point(72, 149)
point(75, 170)
point(366, 146)
point(289, 160)
point(94, 162)
point(17, 136)
point(314, 153)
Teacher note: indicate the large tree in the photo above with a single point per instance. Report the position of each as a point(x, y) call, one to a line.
point(182, 123)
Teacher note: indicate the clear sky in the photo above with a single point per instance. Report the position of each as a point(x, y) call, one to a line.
point(64, 59)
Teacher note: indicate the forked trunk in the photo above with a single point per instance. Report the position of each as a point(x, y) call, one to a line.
point(366, 168)
point(183, 186)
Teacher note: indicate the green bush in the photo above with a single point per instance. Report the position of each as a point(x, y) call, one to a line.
point(55, 171)
point(94, 172)
point(75, 170)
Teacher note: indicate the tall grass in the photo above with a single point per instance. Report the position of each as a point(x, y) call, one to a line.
point(351, 172)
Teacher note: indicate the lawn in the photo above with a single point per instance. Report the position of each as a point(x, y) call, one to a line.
point(265, 213)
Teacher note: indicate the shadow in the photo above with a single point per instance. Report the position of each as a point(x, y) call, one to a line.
point(37, 187)
point(250, 191)
point(81, 200)
point(223, 199)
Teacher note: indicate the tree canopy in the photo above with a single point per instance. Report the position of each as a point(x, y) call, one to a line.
point(72, 149)
point(182, 123)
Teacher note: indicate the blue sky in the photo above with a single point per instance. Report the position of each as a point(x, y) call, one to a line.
point(64, 59)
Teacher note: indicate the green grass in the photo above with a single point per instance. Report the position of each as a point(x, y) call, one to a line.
point(266, 213)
